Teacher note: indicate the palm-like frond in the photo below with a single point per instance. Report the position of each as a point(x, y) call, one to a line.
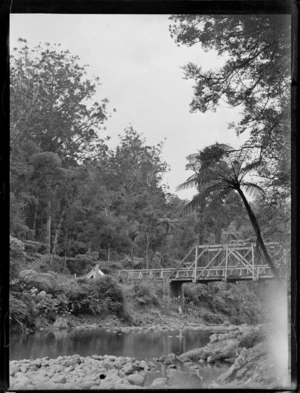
point(217, 200)
point(252, 189)
point(200, 198)
point(203, 177)
point(249, 167)
point(192, 181)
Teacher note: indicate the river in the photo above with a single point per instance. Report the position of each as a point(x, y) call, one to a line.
point(147, 346)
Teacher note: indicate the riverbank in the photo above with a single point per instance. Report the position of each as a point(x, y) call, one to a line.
point(251, 351)
point(154, 321)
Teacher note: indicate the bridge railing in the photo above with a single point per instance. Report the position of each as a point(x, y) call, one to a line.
point(189, 274)
point(145, 273)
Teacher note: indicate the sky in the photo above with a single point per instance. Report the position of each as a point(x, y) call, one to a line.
point(139, 66)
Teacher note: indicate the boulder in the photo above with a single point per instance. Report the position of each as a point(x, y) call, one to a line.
point(214, 385)
point(254, 367)
point(87, 384)
point(159, 381)
point(37, 362)
point(210, 359)
point(217, 350)
point(128, 368)
point(194, 381)
point(177, 378)
point(136, 379)
point(41, 295)
point(59, 379)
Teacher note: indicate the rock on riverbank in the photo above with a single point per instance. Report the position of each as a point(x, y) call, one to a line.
point(247, 348)
point(77, 372)
point(94, 372)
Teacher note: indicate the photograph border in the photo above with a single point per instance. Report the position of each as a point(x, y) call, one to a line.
point(143, 7)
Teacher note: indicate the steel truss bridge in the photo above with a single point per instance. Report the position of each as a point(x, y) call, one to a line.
point(223, 262)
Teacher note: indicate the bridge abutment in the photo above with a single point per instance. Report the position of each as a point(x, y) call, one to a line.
point(176, 290)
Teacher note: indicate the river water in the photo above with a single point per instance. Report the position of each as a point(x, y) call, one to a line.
point(139, 345)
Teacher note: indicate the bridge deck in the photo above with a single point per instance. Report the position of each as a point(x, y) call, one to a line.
point(206, 263)
point(202, 274)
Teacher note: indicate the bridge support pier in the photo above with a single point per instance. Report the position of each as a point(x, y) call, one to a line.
point(176, 290)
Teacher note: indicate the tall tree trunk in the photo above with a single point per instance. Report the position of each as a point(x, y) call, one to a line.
point(48, 227)
point(258, 233)
point(132, 252)
point(108, 252)
point(34, 217)
point(55, 241)
point(147, 252)
point(66, 248)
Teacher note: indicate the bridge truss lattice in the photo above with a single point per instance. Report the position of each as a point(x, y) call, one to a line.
point(222, 262)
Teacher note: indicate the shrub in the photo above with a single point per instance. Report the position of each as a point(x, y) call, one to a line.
point(145, 293)
point(47, 305)
point(17, 256)
point(16, 248)
point(112, 292)
point(213, 318)
point(81, 264)
point(41, 281)
point(61, 323)
point(22, 311)
point(35, 247)
point(196, 292)
point(94, 296)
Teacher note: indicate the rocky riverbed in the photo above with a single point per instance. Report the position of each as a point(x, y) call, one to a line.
point(94, 372)
point(245, 347)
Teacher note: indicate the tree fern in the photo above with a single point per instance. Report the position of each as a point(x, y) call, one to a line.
point(220, 170)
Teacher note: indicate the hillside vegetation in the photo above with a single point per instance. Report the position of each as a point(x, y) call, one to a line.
point(44, 294)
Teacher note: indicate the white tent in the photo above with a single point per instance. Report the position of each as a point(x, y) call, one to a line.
point(95, 273)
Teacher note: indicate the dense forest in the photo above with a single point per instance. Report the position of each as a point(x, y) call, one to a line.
point(75, 195)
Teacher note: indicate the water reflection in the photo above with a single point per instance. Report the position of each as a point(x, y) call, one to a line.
point(102, 342)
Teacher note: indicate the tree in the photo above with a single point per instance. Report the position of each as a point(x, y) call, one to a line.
point(255, 77)
point(47, 176)
point(220, 171)
point(151, 233)
point(133, 233)
point(135, 166)
point(50, 102)
point(54, 130)
point(168, 223)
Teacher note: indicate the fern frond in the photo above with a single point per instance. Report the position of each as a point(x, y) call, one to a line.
point(200, 198)
point(252, 189)
point(217, 201)
point(192, 181)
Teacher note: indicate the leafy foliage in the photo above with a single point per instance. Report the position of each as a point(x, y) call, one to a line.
point(220, 171)
point(145, 294)
point(94, 296)
point(236, 303)
point(21, 311)
point(17, 257)
point(255, 77)
point(41, 281)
